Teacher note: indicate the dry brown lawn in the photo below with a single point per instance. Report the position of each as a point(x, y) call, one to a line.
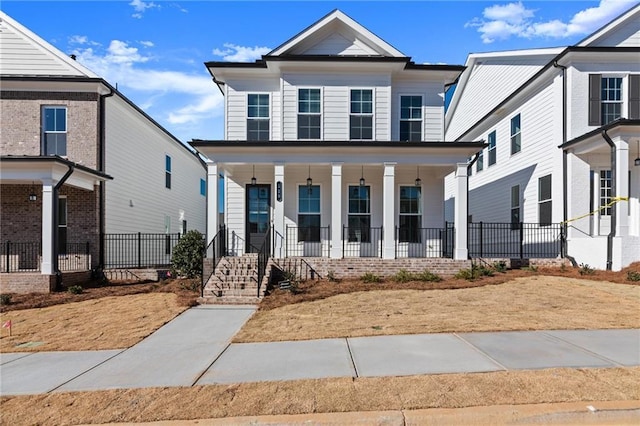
point(322, 396)
point(524, 303)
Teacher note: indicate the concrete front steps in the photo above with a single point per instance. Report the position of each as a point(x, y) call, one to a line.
point(235, 281)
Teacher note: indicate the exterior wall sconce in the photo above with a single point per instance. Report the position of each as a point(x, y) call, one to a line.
point(636, 162)
point(309, 180)
point(418, 180)
point(253, 179)
point(362, 182)
point(32, 193)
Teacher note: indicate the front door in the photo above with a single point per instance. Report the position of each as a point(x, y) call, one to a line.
point(258, 215)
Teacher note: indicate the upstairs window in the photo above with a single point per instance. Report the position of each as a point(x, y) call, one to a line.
point(167, 172)
point(54, 131)
point(607, 98)
point(410, 118)
point(516, 137)
point(544, 200)
point(309, 213)
point(361, 117)
point(309, 114)
point(258, 117)
point(492, 148)
point(203, 187)
point(611, 99)
point(410, 220)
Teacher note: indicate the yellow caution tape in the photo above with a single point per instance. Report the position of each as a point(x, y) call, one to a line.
point(611, 203)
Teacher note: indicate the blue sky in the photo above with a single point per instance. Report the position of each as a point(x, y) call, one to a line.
point(154, 50)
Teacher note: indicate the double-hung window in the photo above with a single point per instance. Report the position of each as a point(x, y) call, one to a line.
point(361, 116)
point(359, 220)
point(544, 200)
point(611, 99)
point(410, 118)
point(309, 114)
point(167, 172)
point(257, 117)
point(410, 214)
point(515, 207)
point(607, 96)
point(516, 136)
point(309, 213)
point(54, 130)
point(492, 148)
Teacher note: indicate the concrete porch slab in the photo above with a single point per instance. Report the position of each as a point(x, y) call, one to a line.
point(620, 346)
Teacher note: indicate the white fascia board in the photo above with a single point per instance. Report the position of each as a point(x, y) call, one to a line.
point(41, 83)
point(37, 171)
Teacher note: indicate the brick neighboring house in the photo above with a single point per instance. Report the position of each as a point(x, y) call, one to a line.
point(77, 160)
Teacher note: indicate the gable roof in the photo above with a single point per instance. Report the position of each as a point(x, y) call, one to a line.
point(24, 53)
point(336, 34)
point(623, 31)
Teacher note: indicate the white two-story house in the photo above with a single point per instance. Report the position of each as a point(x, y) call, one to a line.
point(335, 141)
point(562, 127)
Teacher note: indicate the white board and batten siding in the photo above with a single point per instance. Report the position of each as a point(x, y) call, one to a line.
point(136, 200)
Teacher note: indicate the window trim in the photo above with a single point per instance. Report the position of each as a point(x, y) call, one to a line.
point(400, 119)
point(168, 171)
point(513, 135)
point(321, 113)
point(372, 115)
point(419, 214)
point(623, 102)
point(367, 238)
point(492, 149)
point(44, 132)
point(267, 119)
point(298, 213)
point(545, 201)
point(607, 210)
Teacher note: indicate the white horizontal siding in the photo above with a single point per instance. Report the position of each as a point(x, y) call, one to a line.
point(136, 198)
point(236, 106)
point(336, 44)
point(432, 107)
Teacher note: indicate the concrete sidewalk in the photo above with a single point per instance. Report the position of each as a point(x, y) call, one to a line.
point(194, 349)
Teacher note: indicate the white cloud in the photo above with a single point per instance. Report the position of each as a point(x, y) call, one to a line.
point(500, 22)
point(235, 53)
point(140, 6)
point(146, 43)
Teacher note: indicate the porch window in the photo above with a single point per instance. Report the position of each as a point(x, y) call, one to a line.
point(544, 200)
point(359, 220)
point(309, 113)
point(309, 213)
point(167, 172)
point(515, 135)
point(515, 207)
point(54, 128)
point(62, 225)
point(258, 117)
point(361, 117)
point(492, 148)
point(480, 161)
point(410, 118)
point(605, 192)
point(410, 214)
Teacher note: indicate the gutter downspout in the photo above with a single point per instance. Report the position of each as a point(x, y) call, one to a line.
point(55, 219)
point(565, 179)
point(612, 232)
point(101, 167)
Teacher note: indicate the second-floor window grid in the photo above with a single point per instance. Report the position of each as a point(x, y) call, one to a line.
point(309, 213)
point(605, 192)
point(167, 172)
point(492, 148)
point(309, 114)
point(516, 135)
point(54, 128)
point(611, 99)
point(258, 117)
point(410, 219)
point(361, 117)
point(411, 118)
point(359, 220)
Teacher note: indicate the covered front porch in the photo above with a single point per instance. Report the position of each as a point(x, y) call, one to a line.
point(337, 199)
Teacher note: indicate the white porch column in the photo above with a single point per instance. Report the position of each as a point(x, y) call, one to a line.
point(278, 210)
point(622, 188)
point(388, 212)
point(48, 251)
point(336, 210)
point(212, 201)
point(461, 251)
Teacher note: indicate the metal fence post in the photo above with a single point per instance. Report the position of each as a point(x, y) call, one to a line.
point(87, 256)
point(8, 249)
point(481, 241)
point(139, 249)
point(521, 240)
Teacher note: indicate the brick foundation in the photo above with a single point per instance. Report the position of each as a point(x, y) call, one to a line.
point(521, 263)
point(356, 267)
point(27, 283)
point(135, 274)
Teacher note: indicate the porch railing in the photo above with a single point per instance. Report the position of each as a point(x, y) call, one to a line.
point(263, 257)
point(213, 253)
point(515, 240)
point(307, 241)
point(138, 250)
point(27, 257)
point(424, 242)
point(361, 241)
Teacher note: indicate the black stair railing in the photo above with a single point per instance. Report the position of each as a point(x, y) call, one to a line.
point(212, 255)
point(263, 257)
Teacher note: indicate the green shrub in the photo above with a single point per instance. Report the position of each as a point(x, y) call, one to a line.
point(5, 299)
point(75, 289)
point(465, 274)
point(403, 276)
point(586, 269)
point(475, 272)
point(500, 266)
point(429, 276)
point(187, 255)
point(371, 278)
point(633, 276)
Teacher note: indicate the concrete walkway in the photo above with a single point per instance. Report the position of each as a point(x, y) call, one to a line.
point(194, 349)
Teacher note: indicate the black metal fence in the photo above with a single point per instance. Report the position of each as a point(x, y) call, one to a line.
point(307, 241)
point(515, 240)
point(361, 241)
point(76, 257)
point(216, 249)
point(27, 257)
point(425, 242)
point(138, 250)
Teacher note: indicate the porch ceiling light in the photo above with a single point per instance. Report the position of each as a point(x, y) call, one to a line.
point(309, 180)
point(362, 182)
point(253, 178)
point(636, 162)
point(418, 180)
